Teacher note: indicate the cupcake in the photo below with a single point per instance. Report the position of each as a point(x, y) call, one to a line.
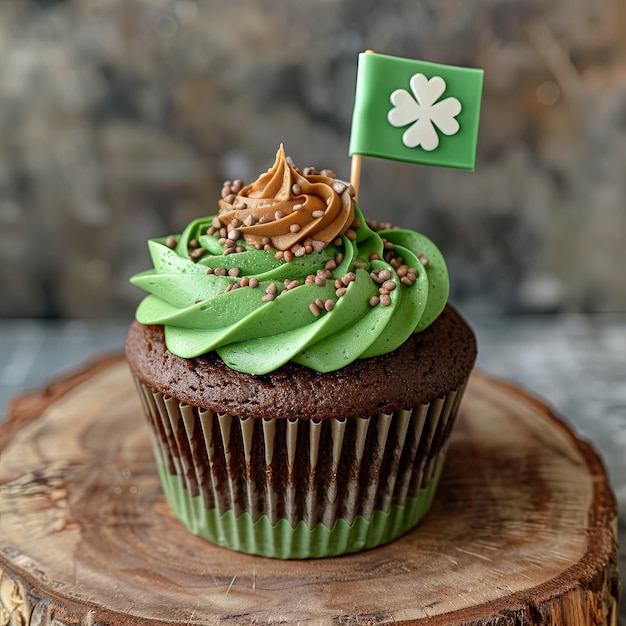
point(299, 368)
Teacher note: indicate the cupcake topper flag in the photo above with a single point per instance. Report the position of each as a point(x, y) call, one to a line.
point(414, 111)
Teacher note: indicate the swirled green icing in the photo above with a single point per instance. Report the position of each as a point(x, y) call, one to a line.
point(201, 312)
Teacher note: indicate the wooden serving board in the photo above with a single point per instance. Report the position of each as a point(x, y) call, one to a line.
point(522, 531)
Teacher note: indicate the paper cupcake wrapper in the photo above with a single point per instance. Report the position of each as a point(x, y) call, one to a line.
point(297, 488)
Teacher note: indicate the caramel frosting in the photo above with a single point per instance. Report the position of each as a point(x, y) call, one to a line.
point(286, 208)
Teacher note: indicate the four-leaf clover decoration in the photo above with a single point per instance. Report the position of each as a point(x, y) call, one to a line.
point(424, 112)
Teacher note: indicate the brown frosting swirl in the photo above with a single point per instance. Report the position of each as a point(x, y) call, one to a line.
point(289, 208)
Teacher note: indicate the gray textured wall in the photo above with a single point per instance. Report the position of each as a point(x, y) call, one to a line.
point(119, 119)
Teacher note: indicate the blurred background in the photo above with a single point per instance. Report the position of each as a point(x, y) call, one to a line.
point(119, 120)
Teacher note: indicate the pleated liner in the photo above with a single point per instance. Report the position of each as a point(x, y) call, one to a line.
point(296, 488)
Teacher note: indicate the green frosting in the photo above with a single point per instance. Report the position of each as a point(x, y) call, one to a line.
point(202, 312)
point(286, 542)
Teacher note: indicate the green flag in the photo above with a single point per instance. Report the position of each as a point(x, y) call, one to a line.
point(416, 111)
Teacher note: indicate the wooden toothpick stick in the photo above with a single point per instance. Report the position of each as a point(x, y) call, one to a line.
point(355, 174)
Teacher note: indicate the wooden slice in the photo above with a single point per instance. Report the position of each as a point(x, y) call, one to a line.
point(522, 531)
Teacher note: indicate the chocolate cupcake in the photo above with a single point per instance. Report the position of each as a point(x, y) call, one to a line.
point(299, 369)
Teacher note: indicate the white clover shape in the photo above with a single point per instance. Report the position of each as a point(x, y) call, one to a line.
point(423, 112)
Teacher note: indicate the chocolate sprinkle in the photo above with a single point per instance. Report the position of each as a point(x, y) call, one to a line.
point(315, 309)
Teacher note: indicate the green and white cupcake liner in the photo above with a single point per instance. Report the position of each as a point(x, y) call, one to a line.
point(299, 488)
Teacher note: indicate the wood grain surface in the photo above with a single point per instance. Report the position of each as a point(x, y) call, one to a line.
point(522, 530)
